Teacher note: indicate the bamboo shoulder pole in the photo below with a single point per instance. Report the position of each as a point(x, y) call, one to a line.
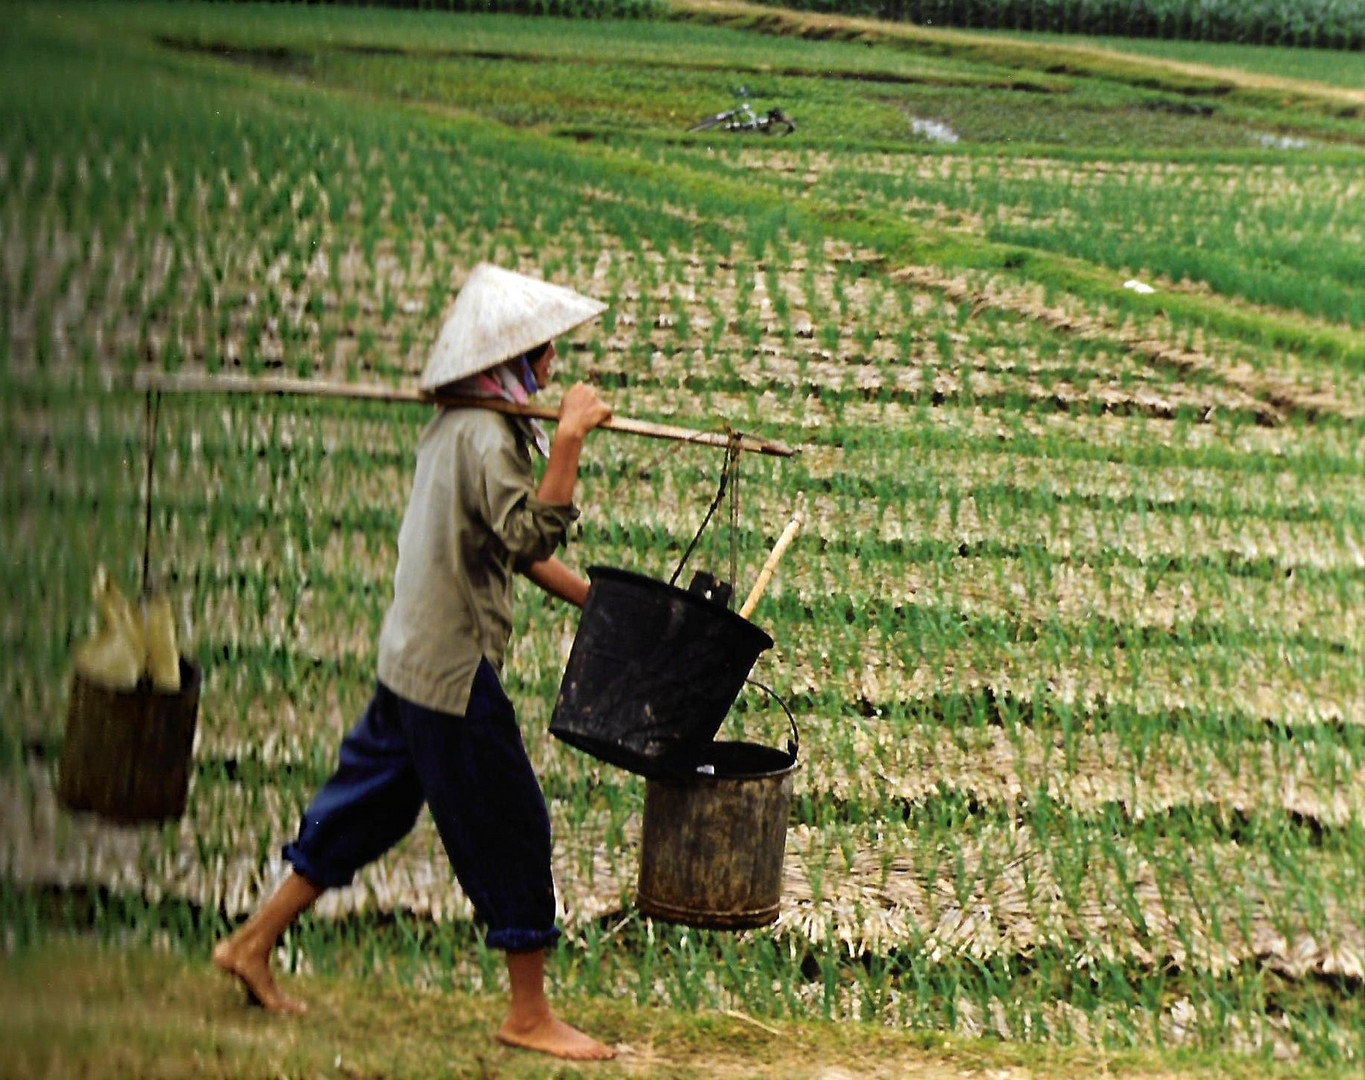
point(192, 383)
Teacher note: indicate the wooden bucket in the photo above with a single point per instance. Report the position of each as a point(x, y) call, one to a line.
point(713, 843)
point(126, 754)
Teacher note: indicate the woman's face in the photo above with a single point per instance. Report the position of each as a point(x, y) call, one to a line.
point(540, 367)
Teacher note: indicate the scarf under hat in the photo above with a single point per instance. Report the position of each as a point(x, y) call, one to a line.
point(513, 381)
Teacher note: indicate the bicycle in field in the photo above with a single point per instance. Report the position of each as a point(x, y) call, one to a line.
point(743, 118)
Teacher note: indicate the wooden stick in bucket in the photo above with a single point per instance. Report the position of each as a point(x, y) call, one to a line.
point(770, 565)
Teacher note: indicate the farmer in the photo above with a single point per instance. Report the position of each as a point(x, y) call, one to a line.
point(439, 728)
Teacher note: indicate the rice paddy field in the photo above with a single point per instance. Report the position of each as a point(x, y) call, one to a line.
point(1073, 635)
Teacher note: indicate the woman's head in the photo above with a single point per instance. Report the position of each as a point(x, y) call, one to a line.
point(537, 362)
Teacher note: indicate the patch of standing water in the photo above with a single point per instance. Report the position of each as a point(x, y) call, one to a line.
point(933, 130)
point(1282, 142)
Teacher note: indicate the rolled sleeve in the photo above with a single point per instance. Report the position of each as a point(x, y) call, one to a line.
point(530, 528)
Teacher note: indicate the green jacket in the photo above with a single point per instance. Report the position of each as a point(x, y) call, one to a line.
point(472, 520)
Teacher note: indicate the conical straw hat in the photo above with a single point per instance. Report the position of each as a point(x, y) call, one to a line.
point(500, 314)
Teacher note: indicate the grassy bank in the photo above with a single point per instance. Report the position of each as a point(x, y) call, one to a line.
point(75, 1009)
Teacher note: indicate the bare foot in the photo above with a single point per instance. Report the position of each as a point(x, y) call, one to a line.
point(554, 1037)
point(252, 970)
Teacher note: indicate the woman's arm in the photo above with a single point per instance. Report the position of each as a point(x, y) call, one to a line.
point(558, 580)
point(580, 410)
point(521, 524)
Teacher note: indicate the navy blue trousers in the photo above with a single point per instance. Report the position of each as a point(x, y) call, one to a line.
point(473, 773)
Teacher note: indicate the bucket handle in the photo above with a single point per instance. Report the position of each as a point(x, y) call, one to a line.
point(794, 743)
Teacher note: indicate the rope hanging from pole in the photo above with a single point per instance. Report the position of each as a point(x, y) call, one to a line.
point(729, 481)
point(153, 415)
point(732, 466)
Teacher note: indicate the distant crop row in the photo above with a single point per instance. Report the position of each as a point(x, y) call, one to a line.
point(354, 279)
point(1327, 24)
point(1241, 230)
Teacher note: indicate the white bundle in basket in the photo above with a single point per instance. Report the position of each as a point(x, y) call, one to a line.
point(130, 645)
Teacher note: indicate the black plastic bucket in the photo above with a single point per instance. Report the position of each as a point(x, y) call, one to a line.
point(713, 842)
point(652, 673)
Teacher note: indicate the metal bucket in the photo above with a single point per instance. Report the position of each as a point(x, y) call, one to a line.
point(652, 672)
point(126, 754)
point(713, 844)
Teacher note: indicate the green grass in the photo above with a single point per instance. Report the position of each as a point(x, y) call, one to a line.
point(75, 1008)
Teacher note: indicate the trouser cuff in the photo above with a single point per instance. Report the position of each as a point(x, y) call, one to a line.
point(316, 875)
point(518, 940)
